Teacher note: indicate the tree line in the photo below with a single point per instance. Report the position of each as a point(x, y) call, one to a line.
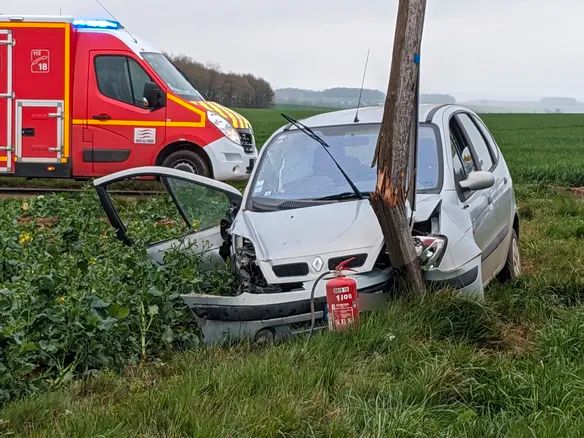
point(229, 89)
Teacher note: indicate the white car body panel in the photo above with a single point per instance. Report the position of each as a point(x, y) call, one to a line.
point(478, 227)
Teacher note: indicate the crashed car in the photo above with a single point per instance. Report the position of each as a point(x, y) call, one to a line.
point(305, 211)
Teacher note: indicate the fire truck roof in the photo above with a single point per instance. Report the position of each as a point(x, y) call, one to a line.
point(37, 18)
point(89, 23)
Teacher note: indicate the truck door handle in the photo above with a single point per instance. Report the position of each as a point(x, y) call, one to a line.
point(102, 116)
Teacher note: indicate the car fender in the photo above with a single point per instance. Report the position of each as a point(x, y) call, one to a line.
point(456, 225)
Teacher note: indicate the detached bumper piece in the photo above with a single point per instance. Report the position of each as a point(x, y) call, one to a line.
point(225, 319)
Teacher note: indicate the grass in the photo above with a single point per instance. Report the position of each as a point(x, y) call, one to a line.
point(433, 366)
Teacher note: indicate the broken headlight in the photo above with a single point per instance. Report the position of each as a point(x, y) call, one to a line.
point(430, 250)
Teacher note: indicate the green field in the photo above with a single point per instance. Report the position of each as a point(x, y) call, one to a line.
point(93, 340)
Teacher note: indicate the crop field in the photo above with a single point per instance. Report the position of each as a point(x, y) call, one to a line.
point(94, 340)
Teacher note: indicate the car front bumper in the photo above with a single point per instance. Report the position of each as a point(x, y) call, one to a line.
point(243, 316)
point(230, 161)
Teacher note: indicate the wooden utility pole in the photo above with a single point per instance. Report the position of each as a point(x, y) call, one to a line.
point(397, 145)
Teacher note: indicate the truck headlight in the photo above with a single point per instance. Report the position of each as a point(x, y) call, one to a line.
point(224, 126)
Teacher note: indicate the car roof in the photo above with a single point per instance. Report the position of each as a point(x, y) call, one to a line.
point(371, 114)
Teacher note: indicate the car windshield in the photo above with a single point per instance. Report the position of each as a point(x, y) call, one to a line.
point(295, 169)
point(171, 76)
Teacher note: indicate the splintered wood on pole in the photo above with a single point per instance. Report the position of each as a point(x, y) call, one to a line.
point(397, 145)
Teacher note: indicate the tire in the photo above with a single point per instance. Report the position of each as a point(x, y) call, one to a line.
point(264, 337)
point(188, 161)
point(512, 269)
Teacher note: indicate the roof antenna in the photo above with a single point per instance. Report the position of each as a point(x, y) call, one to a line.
point(362, 85)
point(112, 15)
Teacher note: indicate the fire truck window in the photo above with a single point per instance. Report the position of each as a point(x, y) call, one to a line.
point(139, 79)
point(121, 78)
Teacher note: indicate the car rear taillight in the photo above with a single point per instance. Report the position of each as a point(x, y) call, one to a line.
point(430, 250)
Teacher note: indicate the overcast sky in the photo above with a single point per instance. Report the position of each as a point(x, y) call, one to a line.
point(513, 49)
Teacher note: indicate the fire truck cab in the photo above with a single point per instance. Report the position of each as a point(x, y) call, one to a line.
point(85, 98)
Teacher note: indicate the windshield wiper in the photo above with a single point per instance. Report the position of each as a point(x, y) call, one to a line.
point(341, 196)
point(305, 129)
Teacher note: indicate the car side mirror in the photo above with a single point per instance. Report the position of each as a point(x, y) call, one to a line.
point(479, 180)
point(154, 95)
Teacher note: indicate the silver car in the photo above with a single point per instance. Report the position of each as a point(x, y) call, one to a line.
point(299, 217)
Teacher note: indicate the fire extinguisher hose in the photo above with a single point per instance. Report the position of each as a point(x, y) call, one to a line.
point(312, 310)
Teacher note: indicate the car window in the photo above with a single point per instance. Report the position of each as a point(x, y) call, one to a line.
point(295, 167)
point(202, 207)
point(459, 172)
point(121, 78)
point(490, 139)
point(462, 147)
point(478, 142)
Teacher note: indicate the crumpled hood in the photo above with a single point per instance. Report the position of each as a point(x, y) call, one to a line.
point(342, 227)
point(313, 231)
point(236, 119)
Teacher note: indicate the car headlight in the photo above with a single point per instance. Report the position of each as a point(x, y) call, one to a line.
point(224, 126)
point(430, 250)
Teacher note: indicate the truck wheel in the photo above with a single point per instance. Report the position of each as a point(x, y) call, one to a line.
point(512, 268)
point(187, 161)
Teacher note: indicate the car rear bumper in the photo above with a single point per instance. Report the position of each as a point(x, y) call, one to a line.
point(230, 162)
point(241, 317)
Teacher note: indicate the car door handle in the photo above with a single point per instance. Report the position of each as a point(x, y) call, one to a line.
point(102, 117)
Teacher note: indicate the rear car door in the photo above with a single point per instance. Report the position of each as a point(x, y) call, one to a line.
point(125, 132)
point(169, 210)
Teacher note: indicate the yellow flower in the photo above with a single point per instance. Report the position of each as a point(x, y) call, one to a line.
point(61, 300)
point(24, 206)
point(24, 238)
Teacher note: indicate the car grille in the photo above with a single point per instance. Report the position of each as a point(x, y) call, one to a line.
point(290, 270)
point(247, 141)
point(359, 261)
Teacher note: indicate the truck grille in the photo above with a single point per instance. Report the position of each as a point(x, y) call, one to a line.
point(247, 141)
point(290, 270)
point(359, 261)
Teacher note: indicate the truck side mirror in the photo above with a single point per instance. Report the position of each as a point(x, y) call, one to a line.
point(154, 95)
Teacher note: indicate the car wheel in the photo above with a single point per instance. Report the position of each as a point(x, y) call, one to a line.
point(187, 161)
point(512, 268)
point(264, 337)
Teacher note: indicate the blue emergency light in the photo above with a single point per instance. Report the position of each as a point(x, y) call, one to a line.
point(96, 24)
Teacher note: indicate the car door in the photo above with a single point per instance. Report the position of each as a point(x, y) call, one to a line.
point(478, 203)
point(495, 252)
point(502, 193)
point(124, 129)
point(168, 209)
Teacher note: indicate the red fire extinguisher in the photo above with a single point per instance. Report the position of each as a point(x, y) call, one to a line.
point(342, 299)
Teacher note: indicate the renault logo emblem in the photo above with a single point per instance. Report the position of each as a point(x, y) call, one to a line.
point(317, 264)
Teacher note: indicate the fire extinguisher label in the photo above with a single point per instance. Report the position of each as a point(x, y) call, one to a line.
point(342, 316)
point(40, 61)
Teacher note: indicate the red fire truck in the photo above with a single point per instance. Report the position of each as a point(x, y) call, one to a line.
point(84, 98)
